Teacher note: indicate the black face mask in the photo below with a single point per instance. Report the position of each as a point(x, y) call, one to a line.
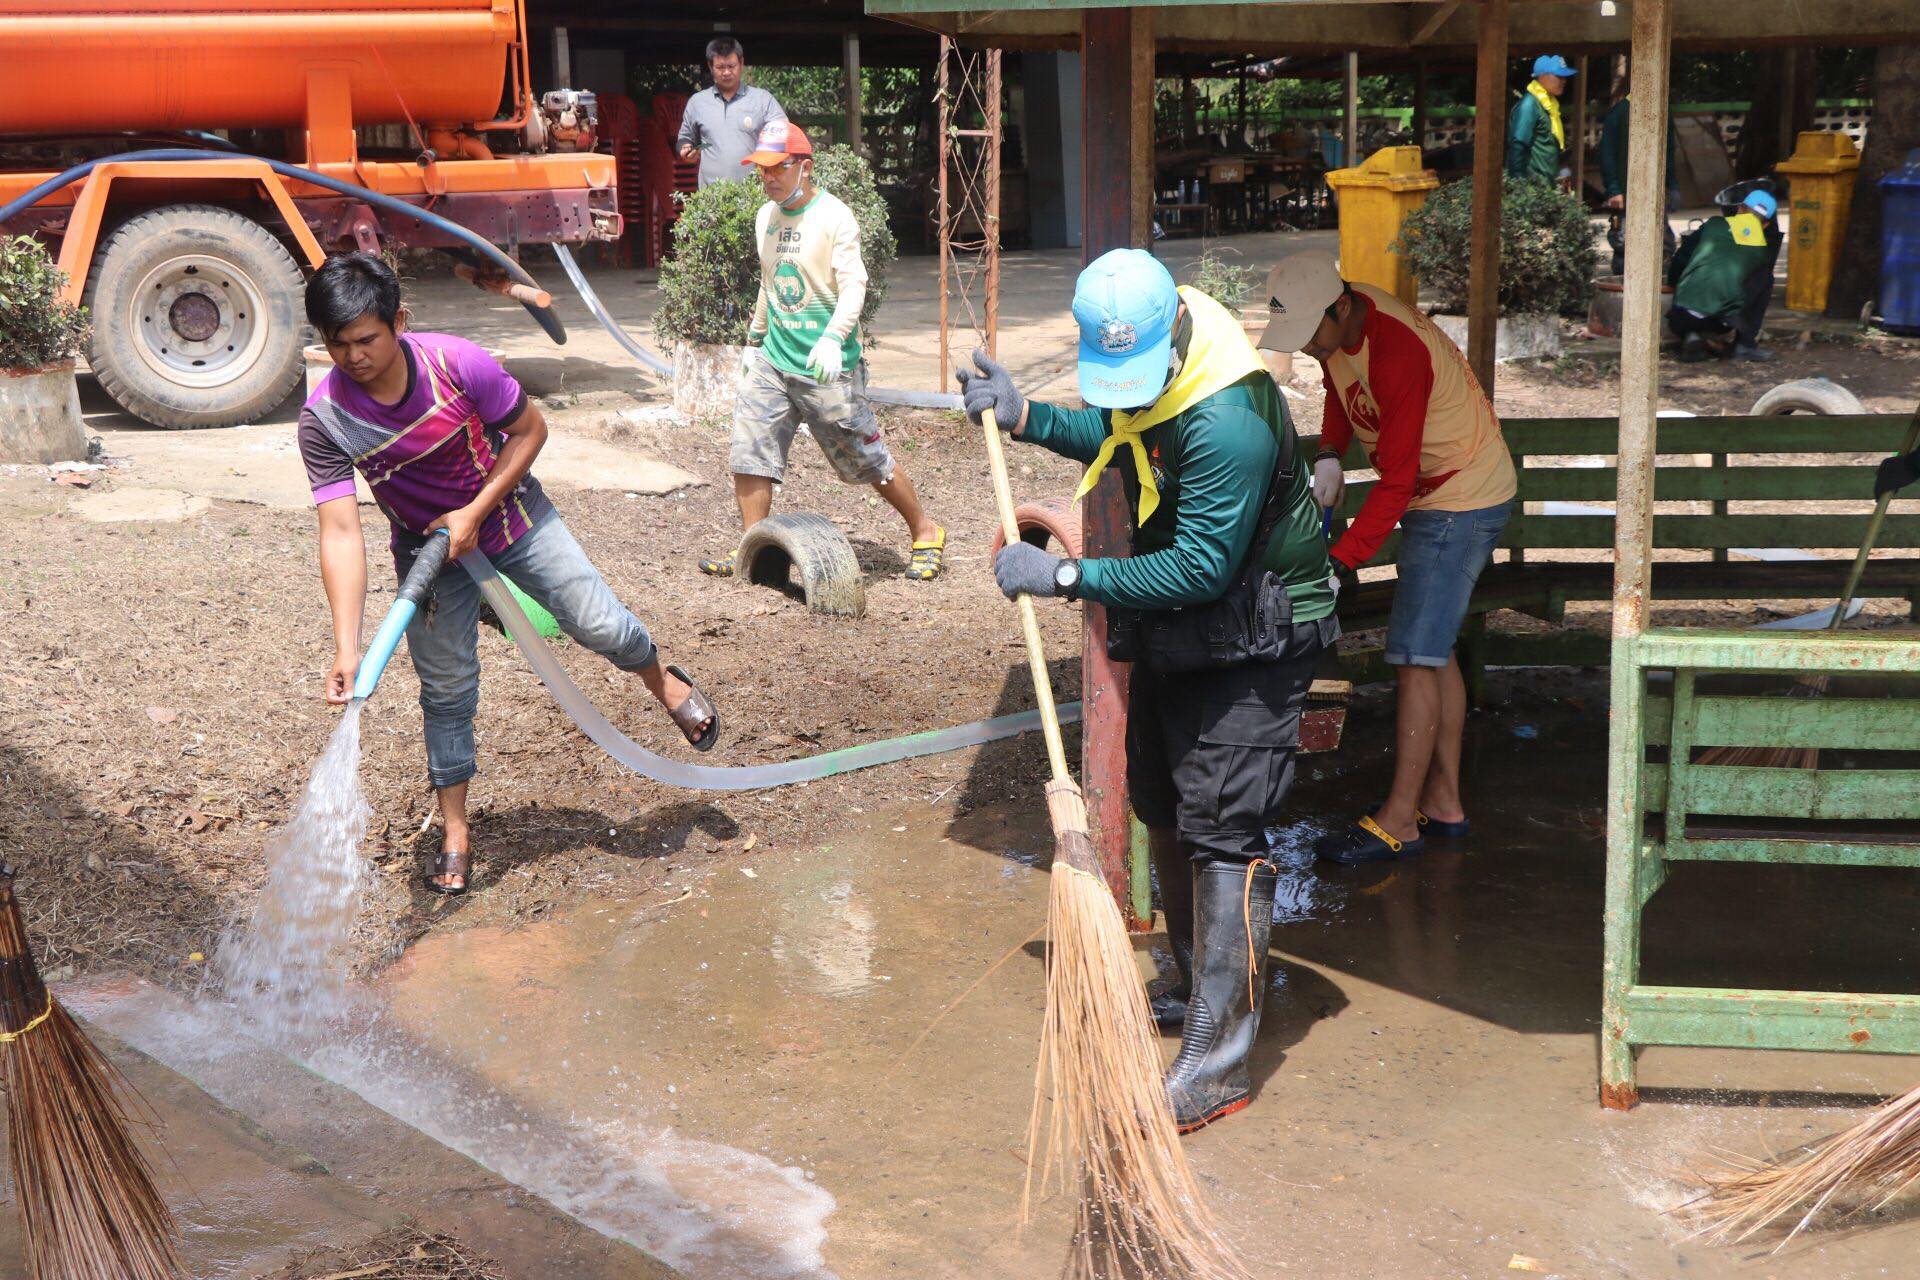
point(1176, 355)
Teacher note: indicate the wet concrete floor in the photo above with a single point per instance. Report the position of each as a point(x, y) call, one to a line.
point(751, 1057)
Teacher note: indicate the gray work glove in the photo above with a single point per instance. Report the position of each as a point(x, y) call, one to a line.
point(1023, 567)
point(990, 386)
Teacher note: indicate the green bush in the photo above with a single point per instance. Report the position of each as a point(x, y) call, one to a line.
point(37, 329)
point(1547, 255)
point(709, 282)
point(1227, 283)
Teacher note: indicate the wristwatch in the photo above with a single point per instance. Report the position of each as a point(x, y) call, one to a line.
point(1066, 579)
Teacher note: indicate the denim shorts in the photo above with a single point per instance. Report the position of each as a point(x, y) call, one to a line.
point(1441, 556)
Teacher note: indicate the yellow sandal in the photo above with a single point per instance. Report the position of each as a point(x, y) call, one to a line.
point(928, 559)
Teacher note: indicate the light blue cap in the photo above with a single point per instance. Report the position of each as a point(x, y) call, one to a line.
point(1762, 203)
point(1552, 64)
point(1125, 303)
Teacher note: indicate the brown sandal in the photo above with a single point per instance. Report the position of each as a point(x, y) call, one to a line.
point(450, 862)
point(694, 710)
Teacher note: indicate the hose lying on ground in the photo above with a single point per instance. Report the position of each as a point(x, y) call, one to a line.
point(701, 777)
point(656, 364)
point(543, 315)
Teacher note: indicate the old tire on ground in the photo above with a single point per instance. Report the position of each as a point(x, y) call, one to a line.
point(1807, 395)
point(1050, 520)
point(197, 317)
point(829, 573)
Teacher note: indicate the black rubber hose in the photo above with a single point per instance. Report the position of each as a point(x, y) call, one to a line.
point(427, 565)
point(544, 316)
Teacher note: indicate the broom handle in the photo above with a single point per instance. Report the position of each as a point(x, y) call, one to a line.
point(1029, 622)
point(1873, 534)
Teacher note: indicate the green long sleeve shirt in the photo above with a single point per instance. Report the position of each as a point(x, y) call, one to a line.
point(1613, 150)
point(1212, 464)
point(1711, 268)
point(1532, 151)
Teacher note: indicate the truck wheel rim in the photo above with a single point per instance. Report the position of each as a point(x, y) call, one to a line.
point(198, 321)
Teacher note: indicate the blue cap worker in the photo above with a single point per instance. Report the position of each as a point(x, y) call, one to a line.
point(1714, 273)
point(1537, 137)
point(1224, 608)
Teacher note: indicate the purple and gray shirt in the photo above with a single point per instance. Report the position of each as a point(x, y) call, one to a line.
point(430, 453)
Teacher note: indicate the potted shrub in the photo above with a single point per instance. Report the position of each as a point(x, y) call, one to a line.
point(1236, 286)
point(39, 337)
point(1547, 259)
point(709, 282)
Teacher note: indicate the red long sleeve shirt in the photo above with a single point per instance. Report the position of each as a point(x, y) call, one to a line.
point(1406, 393)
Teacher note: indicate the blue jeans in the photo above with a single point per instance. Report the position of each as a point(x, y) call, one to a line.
point(443, 639)
point(1440, 558)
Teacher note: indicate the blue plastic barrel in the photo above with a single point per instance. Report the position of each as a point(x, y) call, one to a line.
point(1900, 248)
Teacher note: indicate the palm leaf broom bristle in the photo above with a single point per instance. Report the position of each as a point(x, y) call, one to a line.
point(88, 1204)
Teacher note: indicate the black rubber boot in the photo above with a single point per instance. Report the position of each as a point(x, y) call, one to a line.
point(1173, 868)
point(1233, 904)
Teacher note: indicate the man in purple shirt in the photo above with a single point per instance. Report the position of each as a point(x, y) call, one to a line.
point(446, 440)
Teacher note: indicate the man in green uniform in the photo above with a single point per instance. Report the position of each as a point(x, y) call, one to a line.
point(1713, 278)
point(1613, 177)
point(1536, 137)
point(1227, 602)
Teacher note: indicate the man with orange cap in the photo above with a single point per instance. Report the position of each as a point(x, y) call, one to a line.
point(803, 362)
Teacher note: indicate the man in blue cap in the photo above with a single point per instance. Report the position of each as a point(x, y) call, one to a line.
point(1715, 273)
point(1224, 609)
point(1537, 137)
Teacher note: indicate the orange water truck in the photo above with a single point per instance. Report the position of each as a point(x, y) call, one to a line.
point(192, 159)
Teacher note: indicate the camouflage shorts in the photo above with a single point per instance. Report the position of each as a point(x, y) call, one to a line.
point(771, 405)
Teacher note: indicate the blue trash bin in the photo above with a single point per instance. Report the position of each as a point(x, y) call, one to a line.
point(1900, 248)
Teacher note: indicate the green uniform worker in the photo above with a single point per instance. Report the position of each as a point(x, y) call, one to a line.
point(1712, 274)
point(1613, 178)
point(1232, 597)
point(1536, 137)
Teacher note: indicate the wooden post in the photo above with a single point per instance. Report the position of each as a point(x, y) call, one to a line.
point(1420, 107)
point(1350, 120)
point(1489, 164)
point(1577, 127)
point(1116, 68)
point(850, 48)
point(1633, 537)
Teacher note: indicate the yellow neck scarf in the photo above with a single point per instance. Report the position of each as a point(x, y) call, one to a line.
point(1218, 356)
point(1551, 105)
point(1747, 229)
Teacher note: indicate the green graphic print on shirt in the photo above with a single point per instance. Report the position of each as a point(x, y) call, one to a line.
point(812, 282)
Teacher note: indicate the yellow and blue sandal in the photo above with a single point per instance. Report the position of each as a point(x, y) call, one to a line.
point(719, 566)
point(929, 558)
point(1441, 829)
point(1365, 841)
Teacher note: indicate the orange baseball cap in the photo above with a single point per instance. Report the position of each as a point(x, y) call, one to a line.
point(779, 143)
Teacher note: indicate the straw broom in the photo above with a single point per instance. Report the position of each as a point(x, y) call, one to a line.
point(87, 1199)
point(1814, 686)
point(1101, 1115)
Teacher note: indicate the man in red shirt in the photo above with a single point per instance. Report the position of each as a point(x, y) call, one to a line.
point(1401, 388)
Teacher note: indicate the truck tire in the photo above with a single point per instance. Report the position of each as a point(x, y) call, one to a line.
point(1807, 395)
point(829, 573)
point(197, 317)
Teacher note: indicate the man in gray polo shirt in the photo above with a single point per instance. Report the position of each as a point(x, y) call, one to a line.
point(722, 124)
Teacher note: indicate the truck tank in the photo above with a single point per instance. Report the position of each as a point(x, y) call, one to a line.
point(202, 64)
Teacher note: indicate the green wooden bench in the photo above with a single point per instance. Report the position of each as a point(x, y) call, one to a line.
point(1675, 806)
point(1534, 574)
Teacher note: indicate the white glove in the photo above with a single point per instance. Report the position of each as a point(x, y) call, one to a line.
point(1329, 482)
point(828, 358)
point(1333, 583)
point(746, 358)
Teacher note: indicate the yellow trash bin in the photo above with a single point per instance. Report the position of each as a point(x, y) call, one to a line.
point(1822, 170)
point(1374, 199)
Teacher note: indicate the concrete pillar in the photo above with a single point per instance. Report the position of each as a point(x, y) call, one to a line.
point(1052, 135)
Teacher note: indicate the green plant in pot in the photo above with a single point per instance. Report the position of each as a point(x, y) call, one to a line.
point(40, 334)
point(709, 282)
point(1547, 257)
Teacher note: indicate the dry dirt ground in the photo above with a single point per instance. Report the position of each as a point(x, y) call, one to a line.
point(159, 680)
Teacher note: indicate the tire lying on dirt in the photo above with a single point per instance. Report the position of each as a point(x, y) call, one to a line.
point(1807, 395)
point(829, 573)
point(198, 318)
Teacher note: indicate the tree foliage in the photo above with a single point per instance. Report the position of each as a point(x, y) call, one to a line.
point(37, 327)
point(1547, 254)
